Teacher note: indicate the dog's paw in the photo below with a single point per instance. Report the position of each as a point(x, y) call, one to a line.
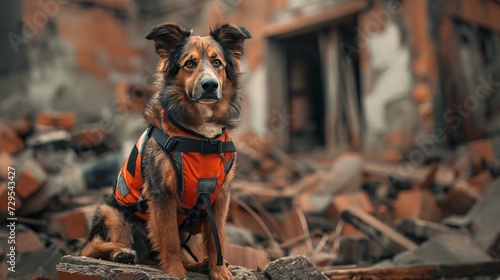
point(220, 273)
point(126, 256)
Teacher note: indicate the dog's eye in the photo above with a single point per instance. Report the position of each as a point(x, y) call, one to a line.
point(217, 63)
point(190, 64)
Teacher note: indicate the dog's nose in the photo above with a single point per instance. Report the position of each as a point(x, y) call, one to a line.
point(209, 85)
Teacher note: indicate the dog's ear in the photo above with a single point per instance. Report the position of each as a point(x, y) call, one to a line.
point(167, 37)
point(231, 37)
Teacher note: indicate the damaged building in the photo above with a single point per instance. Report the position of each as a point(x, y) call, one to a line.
point(369, 140)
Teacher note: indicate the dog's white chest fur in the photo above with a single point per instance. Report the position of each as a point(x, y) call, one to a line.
point(208, 129)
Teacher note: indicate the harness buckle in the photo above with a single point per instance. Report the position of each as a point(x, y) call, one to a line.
point(211, 147)
point(170, 144)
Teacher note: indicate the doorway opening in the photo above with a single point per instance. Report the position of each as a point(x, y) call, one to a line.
point(305, 98)
point(321, 88)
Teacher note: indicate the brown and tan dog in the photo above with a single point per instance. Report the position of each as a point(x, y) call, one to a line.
point(198, 92)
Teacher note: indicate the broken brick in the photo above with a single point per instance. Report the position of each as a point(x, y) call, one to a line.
point(460, 199)
point(49, 120)
point(31, 177)
point(21, 126)
point(343, 201)
point(30, 242)
point(89, 137)
point(246, 256)
point(419, 204)
point(9, 140)
point(71, 224)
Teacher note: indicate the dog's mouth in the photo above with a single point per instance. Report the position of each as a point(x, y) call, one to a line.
point(208, 101)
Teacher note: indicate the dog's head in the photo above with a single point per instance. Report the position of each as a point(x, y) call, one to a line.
point(200, 68)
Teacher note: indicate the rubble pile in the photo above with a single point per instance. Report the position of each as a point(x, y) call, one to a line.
point(291, 216)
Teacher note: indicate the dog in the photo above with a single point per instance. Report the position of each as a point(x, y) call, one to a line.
point(175, 183)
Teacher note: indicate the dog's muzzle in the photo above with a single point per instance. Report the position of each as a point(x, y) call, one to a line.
point(210, 91)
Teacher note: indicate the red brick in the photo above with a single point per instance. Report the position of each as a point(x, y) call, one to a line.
point(90, 137)
point(481, 181)
point(30, 178)
point(62, 120)
point(9, 140)
point(460, 199)
point(71, 224)
point(40, 278)
point(419, 204)
point(63, 275)
point(30, 242)
point(245, 256)
point(343, 201)
point(21, 125)
point(422, 93)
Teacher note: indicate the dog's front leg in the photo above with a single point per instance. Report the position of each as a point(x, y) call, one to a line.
point(164, 234)
point(220, 209)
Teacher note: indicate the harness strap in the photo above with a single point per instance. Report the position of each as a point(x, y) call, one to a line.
point(186, 247)
point(140, 206)
point(215, 232)
point(182, 144)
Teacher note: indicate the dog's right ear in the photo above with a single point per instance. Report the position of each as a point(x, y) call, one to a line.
point(167, 37)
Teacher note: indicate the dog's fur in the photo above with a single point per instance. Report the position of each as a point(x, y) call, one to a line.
point(186, 61)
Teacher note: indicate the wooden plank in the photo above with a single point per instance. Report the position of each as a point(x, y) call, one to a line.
point(378, 231)
point(436, 271)
point(417, 174)
point(328, 46)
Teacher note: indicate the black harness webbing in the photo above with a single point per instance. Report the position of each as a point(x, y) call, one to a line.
point(183, 144)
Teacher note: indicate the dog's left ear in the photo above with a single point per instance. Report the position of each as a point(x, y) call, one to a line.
point(167, 37)
point(231, 37)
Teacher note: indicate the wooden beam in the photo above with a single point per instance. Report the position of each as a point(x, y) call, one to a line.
point(431, 271)
point(378, 231)
point(314, 20)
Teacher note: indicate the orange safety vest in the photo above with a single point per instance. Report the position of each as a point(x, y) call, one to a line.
point(201, 166)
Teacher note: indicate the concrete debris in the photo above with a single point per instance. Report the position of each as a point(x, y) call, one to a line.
point(443, 248)
point(295, 267)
